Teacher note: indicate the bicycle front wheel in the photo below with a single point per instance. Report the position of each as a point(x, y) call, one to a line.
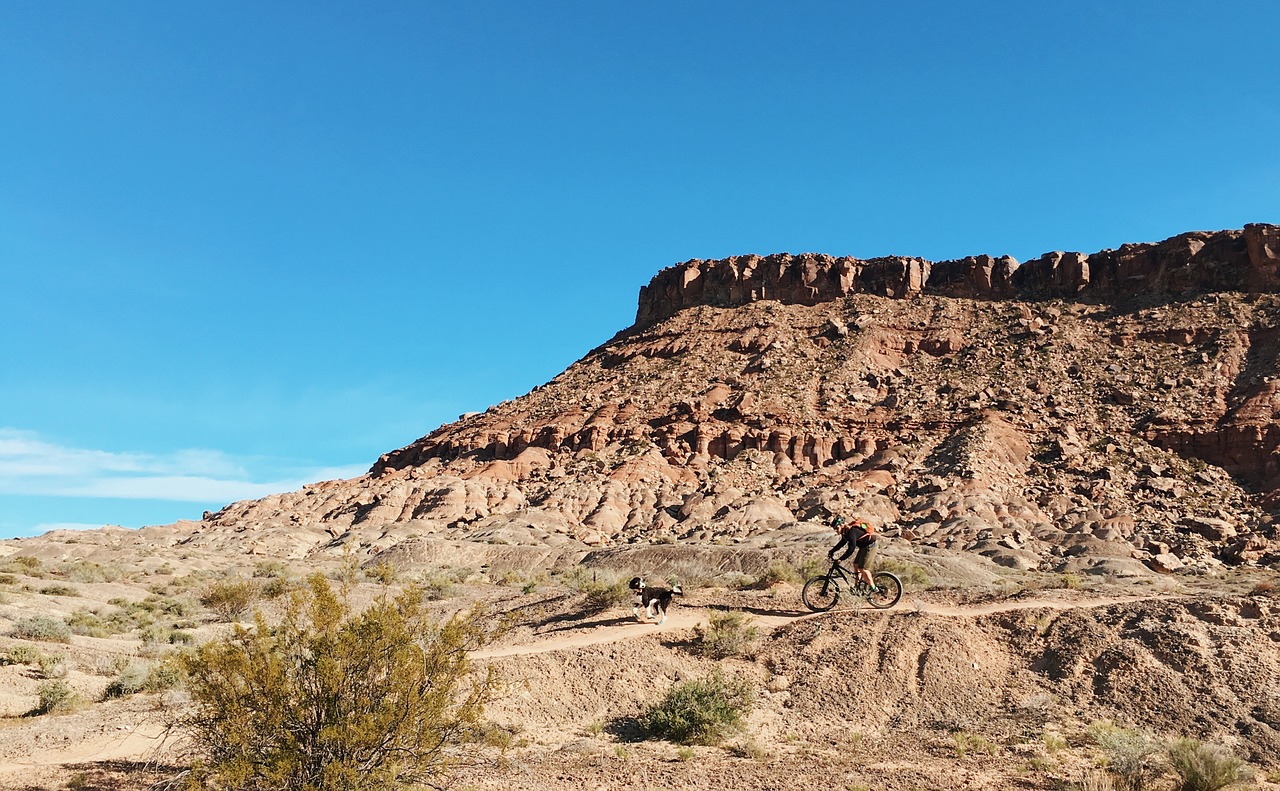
point(820, 594)
point(888, 590)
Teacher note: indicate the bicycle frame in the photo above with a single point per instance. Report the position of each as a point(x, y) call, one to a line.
point(842, 573)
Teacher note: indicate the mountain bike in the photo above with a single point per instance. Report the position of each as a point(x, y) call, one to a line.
point(822, 592)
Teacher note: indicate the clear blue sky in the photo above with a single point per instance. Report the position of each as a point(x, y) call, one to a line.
point(248, 245)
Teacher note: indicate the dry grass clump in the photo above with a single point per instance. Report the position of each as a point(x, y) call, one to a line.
point(1205, 767)
point(230, 598)
point(1133, 757)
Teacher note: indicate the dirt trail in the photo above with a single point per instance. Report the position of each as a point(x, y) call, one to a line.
point(146, 739)
point(609, 630)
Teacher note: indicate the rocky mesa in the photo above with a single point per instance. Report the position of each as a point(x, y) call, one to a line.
point(1110, 413)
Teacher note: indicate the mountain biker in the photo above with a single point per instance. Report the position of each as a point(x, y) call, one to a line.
point(860, 537)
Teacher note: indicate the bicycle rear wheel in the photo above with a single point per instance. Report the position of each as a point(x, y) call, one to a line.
point(888, 590)
point(820, 594)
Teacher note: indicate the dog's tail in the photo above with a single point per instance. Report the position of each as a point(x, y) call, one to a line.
point(676, 590)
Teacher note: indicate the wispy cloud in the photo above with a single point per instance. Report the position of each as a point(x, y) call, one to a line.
point(30, 465)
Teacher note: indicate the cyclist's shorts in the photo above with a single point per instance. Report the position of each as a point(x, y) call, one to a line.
point(866, 556)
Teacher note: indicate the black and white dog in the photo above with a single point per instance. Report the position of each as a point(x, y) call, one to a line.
point(651, 598)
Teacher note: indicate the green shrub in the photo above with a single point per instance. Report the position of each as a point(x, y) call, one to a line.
point(331, 699)
point(56, 697)
point(702, 711)
point(89, 624)
point(728, 633)
point(230, 598)
point(23, 655)
point(1205, 767)
point(42, 627)
point(600, 593)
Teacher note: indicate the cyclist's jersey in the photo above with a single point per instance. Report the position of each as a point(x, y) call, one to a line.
point(859, 534)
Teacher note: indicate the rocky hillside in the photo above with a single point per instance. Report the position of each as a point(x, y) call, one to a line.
point(1112, 413)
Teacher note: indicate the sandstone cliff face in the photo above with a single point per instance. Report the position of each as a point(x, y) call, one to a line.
point(1113, 413)
point(1244, 260)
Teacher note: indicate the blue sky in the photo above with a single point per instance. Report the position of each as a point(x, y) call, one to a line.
point(248, 245)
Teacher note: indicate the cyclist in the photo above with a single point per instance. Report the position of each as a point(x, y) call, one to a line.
point(860, 537)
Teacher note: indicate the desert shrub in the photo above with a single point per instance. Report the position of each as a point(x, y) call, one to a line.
point(330, 699)
point(382, 573)
point(88, 571)
point(912, 576)
point(601, 596)
point(1094, 781)
point(750, 748)
point(90, 624)
point(599, 591)
point(780, 571)
point(271, 569)
point(22, 655)
point(42, 627)
point(136, 677)
point(1205, 767)
point(155, 634)
point(59, 590)
point(728, 633)
point(56, 697)
point(8, 579)
point(52, 665)
point(25, 564)
point(701, 711)
point(437, 586)
point(229, 598)
point(964, 743)
point(108, 665)
point(1132, 756)
point(275, 587)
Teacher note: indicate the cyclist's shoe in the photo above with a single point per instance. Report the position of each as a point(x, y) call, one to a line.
point(873, 589)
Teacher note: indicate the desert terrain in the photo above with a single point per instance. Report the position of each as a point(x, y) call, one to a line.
point(1073, 461)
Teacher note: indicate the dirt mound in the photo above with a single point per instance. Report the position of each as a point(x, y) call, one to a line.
point(1206, 667)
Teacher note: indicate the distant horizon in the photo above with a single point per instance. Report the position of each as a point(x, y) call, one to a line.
point(245, 247)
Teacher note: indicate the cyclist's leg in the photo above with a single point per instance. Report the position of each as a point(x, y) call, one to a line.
point(862, 562)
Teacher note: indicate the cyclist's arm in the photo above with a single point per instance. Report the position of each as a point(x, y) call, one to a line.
point(845, 540)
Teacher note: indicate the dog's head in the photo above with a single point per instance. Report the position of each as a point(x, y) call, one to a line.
point(636, 584)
